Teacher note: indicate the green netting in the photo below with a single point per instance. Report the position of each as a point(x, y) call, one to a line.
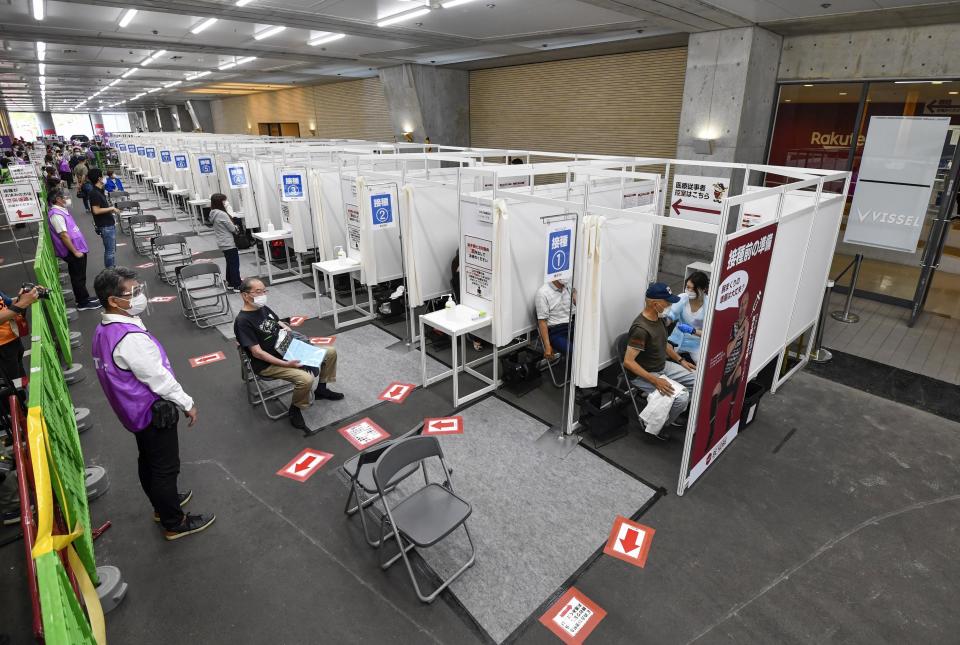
point(48, 390)
point(47, 270)
point(64, 622)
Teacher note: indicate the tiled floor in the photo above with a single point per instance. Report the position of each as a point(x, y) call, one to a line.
point(931, 347)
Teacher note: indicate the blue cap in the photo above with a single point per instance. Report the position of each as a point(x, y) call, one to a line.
point(660, 291)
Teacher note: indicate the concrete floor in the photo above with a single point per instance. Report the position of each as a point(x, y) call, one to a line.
point(844, 533)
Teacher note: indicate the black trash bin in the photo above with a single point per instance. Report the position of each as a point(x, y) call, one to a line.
point(751, 403)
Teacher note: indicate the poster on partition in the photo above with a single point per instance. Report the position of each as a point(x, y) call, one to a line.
point(726, 359)
point(122, 147)
point(205, 165)
point(180, 162)
point(238, 175)
point(478, 266)
point(559, 255)
point(899, 166)
point(641, 194)
point(26, 175)
point(506, 182)
point(382, 211)
point(353, 226)
point(141, 151)
point(293, 185)
point(698, 198)
point(166, 157)
point(151, 153)
point(20, 203)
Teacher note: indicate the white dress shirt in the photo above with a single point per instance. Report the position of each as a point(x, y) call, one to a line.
point(553, 304)
point(139, 354)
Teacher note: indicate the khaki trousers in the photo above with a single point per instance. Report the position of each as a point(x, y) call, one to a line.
point(302, 379)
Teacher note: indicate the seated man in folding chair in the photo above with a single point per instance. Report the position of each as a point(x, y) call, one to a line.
point(554, 302)
point(258, 330)
point(652, 360)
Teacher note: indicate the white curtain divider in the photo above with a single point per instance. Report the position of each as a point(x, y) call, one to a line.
point(586, 349)
point(368, 253)
point(408, 222)
point(503, 275)
point(318, 216)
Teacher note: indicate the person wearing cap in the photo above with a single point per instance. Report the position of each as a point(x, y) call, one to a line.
point(652, 360)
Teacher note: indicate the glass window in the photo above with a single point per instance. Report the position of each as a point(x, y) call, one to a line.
point(26, 125)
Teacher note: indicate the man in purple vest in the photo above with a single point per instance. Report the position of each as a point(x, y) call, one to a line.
point(139, 384)
point(69, 244)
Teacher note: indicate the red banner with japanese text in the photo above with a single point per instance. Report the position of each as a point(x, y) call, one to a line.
point(726, 362)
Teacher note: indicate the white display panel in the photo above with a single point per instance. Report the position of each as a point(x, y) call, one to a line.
point(327, 205)
point(816, 265)
point(435, 234)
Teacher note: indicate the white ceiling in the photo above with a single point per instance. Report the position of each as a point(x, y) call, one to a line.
point(87, 49)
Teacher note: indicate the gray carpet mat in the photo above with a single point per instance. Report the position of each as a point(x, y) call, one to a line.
point(536, 519)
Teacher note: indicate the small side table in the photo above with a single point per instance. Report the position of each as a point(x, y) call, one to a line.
point(177, 198)
point(457, 326)
point(265, 237)
point(196, 207)
point(329, 269)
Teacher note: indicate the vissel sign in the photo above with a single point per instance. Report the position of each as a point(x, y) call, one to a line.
point(896, 177)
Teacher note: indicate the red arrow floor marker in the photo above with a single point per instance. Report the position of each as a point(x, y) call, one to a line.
point(396, 392)
point(145, 265)
point(296, 321)
point(206, 359)
point(322, 340)
point(304, 465)
point(629, 541)
point(163, 298)
point(573, 617)
point(443, 425)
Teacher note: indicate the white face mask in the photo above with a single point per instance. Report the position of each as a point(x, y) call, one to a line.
point(138, 304)
point(68, 203)
point(664, 313)
point(260, 301)
point(692, 293)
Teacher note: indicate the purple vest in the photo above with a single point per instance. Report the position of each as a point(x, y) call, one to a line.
point(129, 397)
point(73, 231)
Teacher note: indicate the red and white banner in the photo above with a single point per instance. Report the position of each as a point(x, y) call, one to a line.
point(322, 340)
point(396, 392)
point(363, 433)
point(629, 541)
point(573, 617)
point(206, 359)
point(304, 465)
point(443, 425)
point(726, 359)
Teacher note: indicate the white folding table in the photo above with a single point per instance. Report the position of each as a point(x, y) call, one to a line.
point(329, 269)
point(265, 237)
point(457, 323)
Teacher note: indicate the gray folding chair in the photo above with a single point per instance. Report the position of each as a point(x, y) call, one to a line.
point(261, 391)
point(128, 208)
point(425, 517)
point(363, 490)
point(624, 385)
point(170, 252)
point(203, 294)
point(143, 228)
point(552, 365)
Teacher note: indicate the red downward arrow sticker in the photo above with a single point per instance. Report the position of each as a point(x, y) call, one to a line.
point(305, 465)
point(629, 541)
point(396, 392)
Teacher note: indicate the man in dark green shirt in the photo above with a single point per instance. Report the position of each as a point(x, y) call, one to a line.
point(651, 359)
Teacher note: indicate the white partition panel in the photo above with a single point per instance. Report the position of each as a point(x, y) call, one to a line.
point(381, 232)
point(626, 251)
point(476, 258)
point(435, 236)
point(327, 209)
point(816, 265)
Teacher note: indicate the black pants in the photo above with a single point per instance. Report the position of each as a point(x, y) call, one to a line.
point(232, 256)
point(77, 269)
point(11, 359)
point(68, 178)
point(158, 466)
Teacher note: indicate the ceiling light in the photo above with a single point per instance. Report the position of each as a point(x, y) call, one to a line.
point(936, 82)
point(113, 82)
point(41, 50)
point(38, 9)
point(843, 93)
point(127, 17)
point(198, 75)
point(808, 84)
point(43, 68)
point(324, 39)
point(407, 14)
point(128, 72)
point(152, 90)
point(173, 84)
point(450, 4)
point(248, 59)
point(243, 3)
point(787, 100)
point(152, 57)
point(271, 31)
point(227, 66)
point(953, 93)
point(203, 25)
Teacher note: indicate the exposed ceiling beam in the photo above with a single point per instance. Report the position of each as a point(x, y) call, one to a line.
point(681, 15)
point(286, 17)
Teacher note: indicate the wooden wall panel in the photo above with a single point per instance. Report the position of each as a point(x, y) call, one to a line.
point(623, 104)
point(350, 110)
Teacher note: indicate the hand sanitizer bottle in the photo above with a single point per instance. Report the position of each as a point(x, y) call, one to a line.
point(450, 307)
point(340, 253)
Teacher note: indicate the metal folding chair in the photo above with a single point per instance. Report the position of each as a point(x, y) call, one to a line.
point(552, 365)
point(363, 490)
point(261, 391)
point(143, 228)
point(624, 386)
point(425, 517)
point(170, 252)
point(203, 294)
point(128, 208)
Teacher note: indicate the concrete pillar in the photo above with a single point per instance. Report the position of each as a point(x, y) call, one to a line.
point(46, 125)
point(728, 98)
point(166, 119)
point(200, 114)
point(184, 118)
point(428, 102)
point(152, 119)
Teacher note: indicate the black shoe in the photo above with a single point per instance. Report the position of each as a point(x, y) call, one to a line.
point(662, 437)
point(328, 394)
point(191, 524)
point(296, 418)
point(91, 304)
point(183, 498)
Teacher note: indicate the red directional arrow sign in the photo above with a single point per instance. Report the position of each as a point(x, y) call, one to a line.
point(304, 465)
point(629, 541)
point(197, 361)
point(443, 425)
point(322, 340)
point(396, 392)
point(296, 321)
